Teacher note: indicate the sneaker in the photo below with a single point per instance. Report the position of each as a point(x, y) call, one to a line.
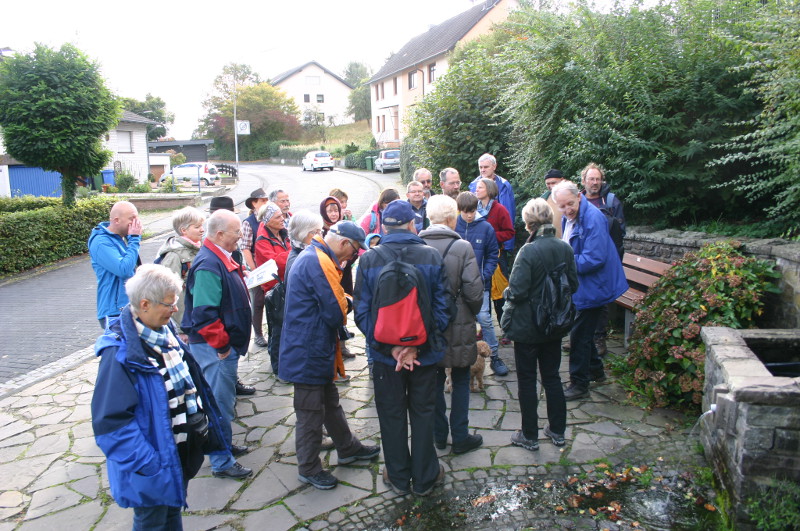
point(518, 439)
point(557, 439)
point(326, 444)
point(242, 389)
point(237, 450)
point(343, 379)
point(574, 392)
point(388, 483)
point(468, 444)
point(365, 454)
point(323, 480)
point(439, 481)
point(498, 366)
point(235, 471)
point(260, 341)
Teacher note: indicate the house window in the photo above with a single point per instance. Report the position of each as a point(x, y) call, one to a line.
point(377, 93)
point(412, 80)
point(383, 86)
point(431, 72)
point(125, 141)
point(312, 80)
point(320, 98)
point(395, 85)
point(306, 98)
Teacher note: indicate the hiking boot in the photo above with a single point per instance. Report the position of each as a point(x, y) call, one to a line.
point(600, 345)
point(365, 454)
point(346, 354)
point(468, 444)
point(244, 390)
point(575, 392)
point(439, 481)
point(519, 439)
point(498, 366)
point(388, 483)
point(323, 480)
point(557, 439)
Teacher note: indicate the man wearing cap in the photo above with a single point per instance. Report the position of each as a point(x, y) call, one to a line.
point(311, 358)
point(247, 244)
point(551, 179)
point(405, 377)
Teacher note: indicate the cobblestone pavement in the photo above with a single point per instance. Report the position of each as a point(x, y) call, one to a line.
point(54, 475)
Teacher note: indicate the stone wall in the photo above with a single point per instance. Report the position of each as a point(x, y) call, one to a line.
point(753, 435)
point(781, 310)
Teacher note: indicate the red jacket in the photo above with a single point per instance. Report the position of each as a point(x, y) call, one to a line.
point(500, 221)
point(269, 246)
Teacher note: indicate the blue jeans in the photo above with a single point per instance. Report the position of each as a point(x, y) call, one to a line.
point(548, 357)
point(161, 517)
point(583, 358)
point(485, 320)
point(221, 377)
point(459, 406)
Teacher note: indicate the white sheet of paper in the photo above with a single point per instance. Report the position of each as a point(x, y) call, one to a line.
point(262, 274)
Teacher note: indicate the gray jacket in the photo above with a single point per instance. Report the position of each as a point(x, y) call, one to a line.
point(461, 270)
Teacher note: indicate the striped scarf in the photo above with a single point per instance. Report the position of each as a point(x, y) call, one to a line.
point(181, 391)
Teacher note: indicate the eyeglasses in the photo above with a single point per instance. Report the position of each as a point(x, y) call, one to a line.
point(425, 182)
point(354, 246)
point(316, 232)
point(238, 233)
point(173, 306)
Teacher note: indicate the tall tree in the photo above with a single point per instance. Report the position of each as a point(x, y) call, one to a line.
point(234, 77)
point(54, 111)
point(154, 108)
point(356, 75)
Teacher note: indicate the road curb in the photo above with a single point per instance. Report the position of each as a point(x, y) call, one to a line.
point(47, 371)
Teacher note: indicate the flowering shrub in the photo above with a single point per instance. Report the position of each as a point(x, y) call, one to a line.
point(716, 286)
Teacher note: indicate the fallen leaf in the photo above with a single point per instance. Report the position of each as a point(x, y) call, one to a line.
point(660, 459)
point(592, 511)
point(521, 486)
point(710, 507)
point(645, 468)
point(597, 495)
point(602, 465)
point(484, 500)
point(547, 484)
point(572, 480)
point(399, 521)
point(613, 517)
point(574, 501)
point(615, 505)
point(559, 508)
point(635, 524)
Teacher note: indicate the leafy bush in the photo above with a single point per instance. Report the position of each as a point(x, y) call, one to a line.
point(26, 202)
point(35, 237)
point(175, 158)
point(275, 146)
point(141, 188)
point(293, 153)
point(359, 158)
point(168, 185)
point(716, 286)
point(777, 508)
point(124, 181)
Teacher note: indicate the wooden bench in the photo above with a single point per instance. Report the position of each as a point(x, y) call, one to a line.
point(641, 273)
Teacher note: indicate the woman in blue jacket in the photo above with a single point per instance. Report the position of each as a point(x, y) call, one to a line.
point(152, 412)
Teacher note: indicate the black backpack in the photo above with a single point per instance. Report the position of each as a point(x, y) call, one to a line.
point(402, 313)
point(614, 225)
point(555, 313)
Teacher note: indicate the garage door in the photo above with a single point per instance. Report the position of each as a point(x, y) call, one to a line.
point(34, 181)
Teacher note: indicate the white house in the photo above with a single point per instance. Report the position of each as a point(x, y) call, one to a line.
point(318, 92)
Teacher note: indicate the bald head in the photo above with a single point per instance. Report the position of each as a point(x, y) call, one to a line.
point(122, 214)
point(224, 229)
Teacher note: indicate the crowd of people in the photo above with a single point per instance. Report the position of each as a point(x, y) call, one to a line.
point(174, 331)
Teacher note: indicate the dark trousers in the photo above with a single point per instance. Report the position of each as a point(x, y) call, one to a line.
point(583, 358)
point(315, 405)
point(274, 341)
point(602, 322)
point(161, 517)
point(459, 406)
point(257, 296)
point(548, 357)
point(401, 397)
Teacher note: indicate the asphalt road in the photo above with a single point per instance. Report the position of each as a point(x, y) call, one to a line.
point(49, 315)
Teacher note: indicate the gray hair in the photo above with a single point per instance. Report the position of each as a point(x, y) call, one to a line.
point(301, 223)
point(535, 213)
point(444, 172)
point(413, 184)
point(273, 195)
point(441, 208)
point(218, 221)
point(565, 186)
point(489, 157)
point(422, 171)
point(332, 238)
point(152, 282)
point(186, 217)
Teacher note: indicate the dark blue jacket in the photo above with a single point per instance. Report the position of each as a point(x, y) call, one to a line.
point(131, 419)
point(429, 262)
point(114, 262)
point(481, 235)
point(315, 310)
point(600, 272)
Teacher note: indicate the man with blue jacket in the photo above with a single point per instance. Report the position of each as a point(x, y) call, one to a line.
point(311, 357)
point(405, 376)
point(114, 250)
point(601, 280)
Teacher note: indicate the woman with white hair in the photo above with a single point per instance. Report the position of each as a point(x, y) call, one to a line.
point(542, 253)
point(153, 414)
point(466, 287)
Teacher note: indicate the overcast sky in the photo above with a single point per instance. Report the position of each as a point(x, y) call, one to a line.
point(175, 49)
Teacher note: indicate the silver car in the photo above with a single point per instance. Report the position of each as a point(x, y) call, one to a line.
point(205, 172)
point(388, 159)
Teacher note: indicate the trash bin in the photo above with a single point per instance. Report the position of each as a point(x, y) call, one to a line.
point(370, 162)
point(108, 177)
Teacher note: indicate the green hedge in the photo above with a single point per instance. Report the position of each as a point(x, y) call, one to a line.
point(293, 153)
point(276, 145)
point(31, 238)
point(359, 158)
point(27, 202)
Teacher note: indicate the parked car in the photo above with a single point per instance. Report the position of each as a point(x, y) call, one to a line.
point(388, 159)
point(205, 172)
point(317, 160)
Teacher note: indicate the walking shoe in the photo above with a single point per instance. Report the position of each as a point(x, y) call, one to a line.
point(440, 445)
point(365, 454)
point(599, 376)
point(237, 450)
point(388, 483)
point(439, 481)
point(518, 439)
point(468, 444)
point(235, 471)
point(343, 379)
point(260, 341)
point(574, 392)
point(600, 345)
point(557, 439)
point(326, 444)
point(323, 480)
point(346, 354)
point(498, 366)
point(242, 389)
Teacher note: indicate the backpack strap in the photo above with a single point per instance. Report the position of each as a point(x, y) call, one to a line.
point(373, 221)
point(610, 199)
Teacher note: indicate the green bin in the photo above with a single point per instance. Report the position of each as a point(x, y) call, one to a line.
point(370, 162)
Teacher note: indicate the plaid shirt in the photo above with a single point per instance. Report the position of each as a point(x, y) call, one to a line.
point(246, 241)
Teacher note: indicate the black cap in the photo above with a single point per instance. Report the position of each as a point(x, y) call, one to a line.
point(222, 202)
point(553, 174)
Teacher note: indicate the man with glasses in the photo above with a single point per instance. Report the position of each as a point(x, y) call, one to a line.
point(217, 319)
point(425, 178)
point(415, 193)
point(311, 356)
point(450, 182)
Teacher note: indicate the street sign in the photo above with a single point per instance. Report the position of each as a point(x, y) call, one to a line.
point(243, 127)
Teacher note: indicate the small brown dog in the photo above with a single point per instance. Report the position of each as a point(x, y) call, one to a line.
point(475, 371)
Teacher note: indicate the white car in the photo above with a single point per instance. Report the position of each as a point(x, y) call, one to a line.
point(317, 160)
point(205, 172)
point(388, 159)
